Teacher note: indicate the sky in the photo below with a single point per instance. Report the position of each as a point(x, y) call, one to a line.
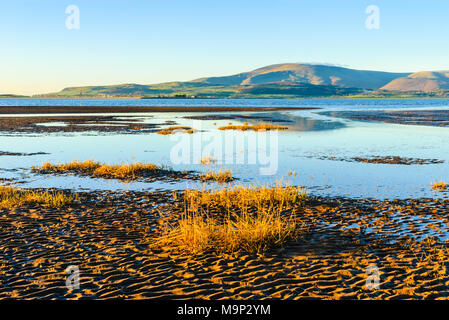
point(153, 41)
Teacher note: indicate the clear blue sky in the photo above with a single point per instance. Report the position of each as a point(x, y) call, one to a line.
point(151, 41)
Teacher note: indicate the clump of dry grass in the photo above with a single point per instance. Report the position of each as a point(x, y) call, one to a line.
point(255, 127)
point(87, 165)
point(252, 234)
point(171, 130)
point(244, 197)
point(125, 171)
point(292, 173)
point(439, 186)
point(251, 219)
point(96, 169)
point(221, 176)
point(206, 160)
point(11, 197)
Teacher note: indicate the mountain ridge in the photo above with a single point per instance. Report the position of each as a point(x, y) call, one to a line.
point(420, 81)
point(308, 73)
point(283, 80)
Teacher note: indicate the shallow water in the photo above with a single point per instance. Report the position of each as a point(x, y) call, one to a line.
point(333, 104)
point(310, 136)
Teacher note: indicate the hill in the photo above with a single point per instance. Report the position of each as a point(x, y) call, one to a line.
point(308, 73)
point(282, 81)
point(420, 81)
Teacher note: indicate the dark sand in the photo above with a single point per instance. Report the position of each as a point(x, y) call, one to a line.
point(161, 174)
point(108, 237)
point(101, 124)
point(382, 160)
point(436, 118)
point(104, 123)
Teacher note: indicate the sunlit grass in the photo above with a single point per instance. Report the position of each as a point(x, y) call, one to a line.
point(439, 186)
point(221, 176)
point(255, 127)
point(250, 219)
point(96, 169)
point(206, 160)
point(87, 165)
point(243, 197)
point(174, 129)
point(292, 173)
point(11, 197)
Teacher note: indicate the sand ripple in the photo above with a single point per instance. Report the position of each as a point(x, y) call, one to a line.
point(107, 237)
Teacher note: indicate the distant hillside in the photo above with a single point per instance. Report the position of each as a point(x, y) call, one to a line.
point(155, 90)
point(3, 96)
point(202, 90)
point(306, 73)
point(282, 80)
point(297, 90)
point(420, 81)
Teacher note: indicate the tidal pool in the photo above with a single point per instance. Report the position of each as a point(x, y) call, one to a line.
point(294, 154)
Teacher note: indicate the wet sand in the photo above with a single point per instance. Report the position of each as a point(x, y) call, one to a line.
point(159, 174)
point(435, 118)
point(383, 160)
point(108, 236)
point(21, 154)
point(67, 124)
point(44, 119)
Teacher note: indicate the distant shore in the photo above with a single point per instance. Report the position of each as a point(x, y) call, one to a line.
point(366, 96)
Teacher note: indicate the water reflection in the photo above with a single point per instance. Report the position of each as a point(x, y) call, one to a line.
point(311, 137)
point(295, 121)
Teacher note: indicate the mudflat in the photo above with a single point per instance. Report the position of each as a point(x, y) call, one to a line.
point(108, 235)
point(435, 118)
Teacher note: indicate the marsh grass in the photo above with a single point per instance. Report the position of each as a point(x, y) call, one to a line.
point(255, 127)
point(206, 160)
point(174, 129)
point(96, 169)
point(221, 176)
point(11, 197)
point(439, 186)
point(249, 219)
point(279, 195)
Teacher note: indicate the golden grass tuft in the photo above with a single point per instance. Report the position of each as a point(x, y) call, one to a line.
point(206, 160)
point(11, 197)
point(439, 186)
point(124, 171)
point(175, 129)
point(292, 173)
point(244, 197)
point(255, 127)
point(221, 176)
point(252, 234)
point(87, 165)
point(252, 220)
point(96, 169)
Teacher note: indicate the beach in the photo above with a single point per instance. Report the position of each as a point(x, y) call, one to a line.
point(91, 189)
point(107, 235)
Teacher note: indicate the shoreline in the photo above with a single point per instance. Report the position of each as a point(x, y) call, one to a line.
point(232, 98)
point(133, 109)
